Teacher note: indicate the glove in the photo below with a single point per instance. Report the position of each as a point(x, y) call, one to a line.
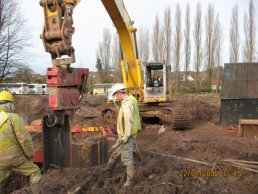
point(124, 140)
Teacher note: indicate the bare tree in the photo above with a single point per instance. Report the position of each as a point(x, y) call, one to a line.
point(177, 44)
point(210, 47)
point(104, 54)
point(144, 44)
point(167, 28)
point(157, 41)
point(162, 52)
point(26, 75)
point(234, 36)
point(197, 34)
point(13, 40)
point(218, 49)
point(214, 45)
point(249, 28)
point(116, 59)
point(187, 40)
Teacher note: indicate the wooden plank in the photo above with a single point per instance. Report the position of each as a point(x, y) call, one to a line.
point(248, 128)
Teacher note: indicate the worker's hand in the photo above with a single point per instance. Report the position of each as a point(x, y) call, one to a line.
point(124, 140)
point(119, 141)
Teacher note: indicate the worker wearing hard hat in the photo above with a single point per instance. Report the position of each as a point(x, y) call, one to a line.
point(128, 125)
point(16, 146)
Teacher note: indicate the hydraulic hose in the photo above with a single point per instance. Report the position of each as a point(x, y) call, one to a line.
point(85, 78)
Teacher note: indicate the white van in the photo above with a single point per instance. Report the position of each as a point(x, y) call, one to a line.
point(44, 88)
point(38, 89)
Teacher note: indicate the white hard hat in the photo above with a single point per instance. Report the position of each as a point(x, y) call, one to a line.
point(117, 87)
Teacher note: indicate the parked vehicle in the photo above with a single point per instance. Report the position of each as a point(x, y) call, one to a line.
point(38, 88)
point(102, 89)
point(16, 88)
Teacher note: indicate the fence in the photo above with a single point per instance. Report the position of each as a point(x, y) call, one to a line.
point(239, 95)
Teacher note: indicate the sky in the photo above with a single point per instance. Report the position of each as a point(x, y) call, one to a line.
point(91, 18)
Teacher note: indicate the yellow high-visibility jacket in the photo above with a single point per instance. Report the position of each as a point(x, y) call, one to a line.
point(128, 119)
point(15, 140)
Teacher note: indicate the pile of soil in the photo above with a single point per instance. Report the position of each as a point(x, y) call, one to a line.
point(31, 107)
point(174, 161)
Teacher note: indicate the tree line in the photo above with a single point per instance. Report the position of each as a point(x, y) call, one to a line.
point(197, 47)
point(193, 45)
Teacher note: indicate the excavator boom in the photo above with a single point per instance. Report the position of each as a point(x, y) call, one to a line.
point(131, 65)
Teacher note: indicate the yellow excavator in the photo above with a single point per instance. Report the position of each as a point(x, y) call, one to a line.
point(150, 84)
point(66, 84)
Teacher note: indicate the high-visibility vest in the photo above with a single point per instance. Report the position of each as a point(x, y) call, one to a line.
point(136, 125)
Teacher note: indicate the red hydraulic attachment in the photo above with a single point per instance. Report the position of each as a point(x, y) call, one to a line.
point(65, 87)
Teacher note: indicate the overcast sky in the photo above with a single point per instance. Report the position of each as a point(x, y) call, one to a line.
point(90, 18)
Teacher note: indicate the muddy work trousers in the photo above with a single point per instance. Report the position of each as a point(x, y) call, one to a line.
point(23, 167)
point(126, 152)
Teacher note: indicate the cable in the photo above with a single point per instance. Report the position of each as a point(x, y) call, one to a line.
point(243, 164)
point(178, 157)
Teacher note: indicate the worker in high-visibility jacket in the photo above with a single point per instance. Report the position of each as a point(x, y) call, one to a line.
point(128, 125)
point(16, 146)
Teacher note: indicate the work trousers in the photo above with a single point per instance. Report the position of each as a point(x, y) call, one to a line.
point(23, 167)
point(126, 152)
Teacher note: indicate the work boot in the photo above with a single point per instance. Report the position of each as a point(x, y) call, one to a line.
point(130, 175)
point(35, 188)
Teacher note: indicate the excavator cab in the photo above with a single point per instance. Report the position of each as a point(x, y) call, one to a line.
point(156, 79)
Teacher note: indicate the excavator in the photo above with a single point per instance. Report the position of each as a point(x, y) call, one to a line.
point(155, 100)
point(66, 84)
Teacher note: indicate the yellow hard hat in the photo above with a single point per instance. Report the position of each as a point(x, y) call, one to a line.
point(6, 96)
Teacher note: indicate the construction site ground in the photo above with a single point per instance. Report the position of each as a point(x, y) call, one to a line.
point(174, 161)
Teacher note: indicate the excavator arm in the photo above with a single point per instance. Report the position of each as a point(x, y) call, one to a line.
point(131, 66)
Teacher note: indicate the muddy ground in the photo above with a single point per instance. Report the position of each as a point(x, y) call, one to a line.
point(175, 161)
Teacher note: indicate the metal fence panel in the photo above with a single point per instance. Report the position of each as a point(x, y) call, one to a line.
point(240, 81)
point(239, 95)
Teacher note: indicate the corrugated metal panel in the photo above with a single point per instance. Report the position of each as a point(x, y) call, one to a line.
point(240, 81)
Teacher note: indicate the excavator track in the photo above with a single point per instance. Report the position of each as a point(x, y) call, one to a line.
point(174, 116)
point(165, 114)
point(181, 119)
